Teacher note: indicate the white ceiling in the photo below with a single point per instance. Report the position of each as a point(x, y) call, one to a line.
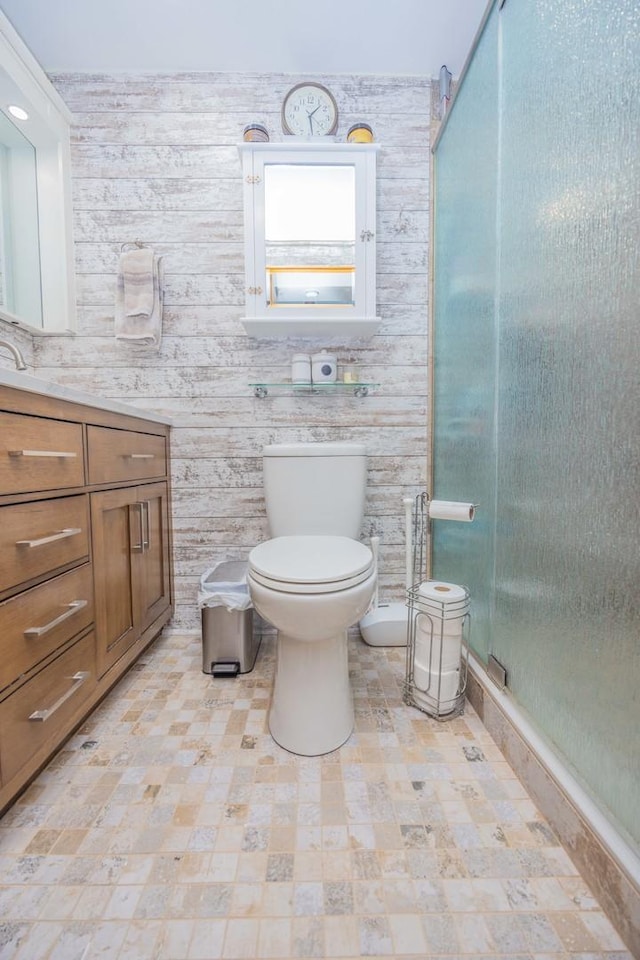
point(288, 36)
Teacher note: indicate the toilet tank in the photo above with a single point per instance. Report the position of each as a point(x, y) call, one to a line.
point(315, 488)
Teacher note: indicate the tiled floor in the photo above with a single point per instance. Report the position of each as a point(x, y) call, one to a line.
point(173, 827)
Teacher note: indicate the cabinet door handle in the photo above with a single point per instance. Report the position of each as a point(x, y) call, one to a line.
point(72, 608)
point(147, 526)
point(43, 453)
point(139, 456)
point(78, 679)
point(60, 535)
point(138, 547)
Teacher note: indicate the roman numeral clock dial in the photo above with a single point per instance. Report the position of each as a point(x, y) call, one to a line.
point(309, 110)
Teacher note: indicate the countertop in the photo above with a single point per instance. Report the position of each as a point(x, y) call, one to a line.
point(24, 381)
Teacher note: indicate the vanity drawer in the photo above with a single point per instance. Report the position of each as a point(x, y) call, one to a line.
point(38, 715)
point(39, 454)
point(36, 538)
point(124, 455)
point(38, 621)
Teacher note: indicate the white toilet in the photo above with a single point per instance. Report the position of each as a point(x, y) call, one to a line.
point(312, 581)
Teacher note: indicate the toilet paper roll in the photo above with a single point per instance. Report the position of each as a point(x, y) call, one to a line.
point(451, 510)
point(436, 688)
point(442, 591)
point(443, 601)
point(434, 646)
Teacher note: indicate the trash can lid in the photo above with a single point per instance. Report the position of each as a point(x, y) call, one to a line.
point(225, 585)
point(228, 571)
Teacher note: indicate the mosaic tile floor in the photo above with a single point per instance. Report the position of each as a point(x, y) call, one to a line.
point(172, 827)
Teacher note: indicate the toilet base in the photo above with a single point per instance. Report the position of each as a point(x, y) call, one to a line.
point(312, 706)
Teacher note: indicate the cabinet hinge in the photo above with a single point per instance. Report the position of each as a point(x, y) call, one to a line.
point(256, 291)
point(366, 235)
point(252, 179)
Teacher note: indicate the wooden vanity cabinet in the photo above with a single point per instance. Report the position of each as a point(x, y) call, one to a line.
point(85, 566)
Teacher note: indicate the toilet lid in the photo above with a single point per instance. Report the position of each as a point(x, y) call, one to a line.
point(310, 564)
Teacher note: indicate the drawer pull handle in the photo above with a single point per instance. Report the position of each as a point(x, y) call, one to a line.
point(61, 535)
point(72, 608)
point(43, 453)
point(78, 679)
point(139, 456)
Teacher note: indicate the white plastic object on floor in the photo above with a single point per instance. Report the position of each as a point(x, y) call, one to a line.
point(385, 625)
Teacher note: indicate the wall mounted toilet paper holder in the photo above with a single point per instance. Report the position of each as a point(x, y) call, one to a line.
point(451, 510)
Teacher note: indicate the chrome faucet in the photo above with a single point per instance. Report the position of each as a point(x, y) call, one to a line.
point(16, 354)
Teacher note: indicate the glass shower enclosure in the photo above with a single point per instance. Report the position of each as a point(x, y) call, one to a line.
point(536, 385)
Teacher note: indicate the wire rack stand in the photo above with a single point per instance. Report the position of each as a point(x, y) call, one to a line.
point(437, 636)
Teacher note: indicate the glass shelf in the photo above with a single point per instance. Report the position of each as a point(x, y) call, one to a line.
point(261, 390)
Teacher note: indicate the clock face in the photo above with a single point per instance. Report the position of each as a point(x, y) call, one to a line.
point(309, 110)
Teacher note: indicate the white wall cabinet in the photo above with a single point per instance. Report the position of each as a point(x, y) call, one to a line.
point(310, 239)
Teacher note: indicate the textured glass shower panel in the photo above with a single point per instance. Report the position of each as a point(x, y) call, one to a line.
point(465, 340)
point(567, 577)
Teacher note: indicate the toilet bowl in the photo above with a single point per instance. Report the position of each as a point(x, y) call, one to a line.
point(311, 588)
point(312, 580)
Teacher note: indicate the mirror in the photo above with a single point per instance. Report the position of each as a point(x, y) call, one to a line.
point(20, 284)
point(37, 284)
point(310, 234)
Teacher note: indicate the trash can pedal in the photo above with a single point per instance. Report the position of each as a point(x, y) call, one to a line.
point(225, 668)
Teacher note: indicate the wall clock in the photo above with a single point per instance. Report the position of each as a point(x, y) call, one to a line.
point(309, 110)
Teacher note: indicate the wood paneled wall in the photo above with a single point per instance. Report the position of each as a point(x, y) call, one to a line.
point(155, 160)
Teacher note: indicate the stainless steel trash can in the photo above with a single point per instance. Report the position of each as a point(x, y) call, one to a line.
point(230, 638)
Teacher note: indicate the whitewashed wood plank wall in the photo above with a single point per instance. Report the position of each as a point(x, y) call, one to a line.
point(155, 160)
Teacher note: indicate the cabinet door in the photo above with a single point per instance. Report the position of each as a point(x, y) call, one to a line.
point(152, 583)
point(131, 565)
point(310, 229)
point(117, 537)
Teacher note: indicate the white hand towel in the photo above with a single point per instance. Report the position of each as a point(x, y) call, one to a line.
point(136, 267)
point(143, 330)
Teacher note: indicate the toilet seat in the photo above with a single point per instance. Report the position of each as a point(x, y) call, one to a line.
point(310, 564)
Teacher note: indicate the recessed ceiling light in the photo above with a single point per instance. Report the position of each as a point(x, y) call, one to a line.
point(18, 112)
